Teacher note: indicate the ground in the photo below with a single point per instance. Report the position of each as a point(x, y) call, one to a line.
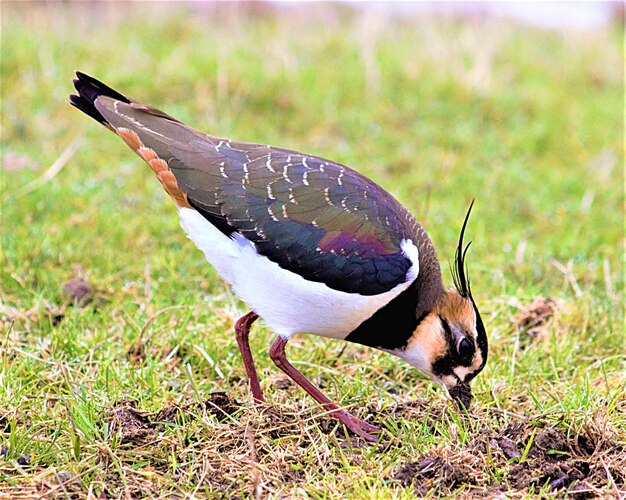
point(119, 370)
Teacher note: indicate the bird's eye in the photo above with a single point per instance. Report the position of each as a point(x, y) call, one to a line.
point(465, 348)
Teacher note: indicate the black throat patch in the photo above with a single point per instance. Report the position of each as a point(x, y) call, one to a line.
point(392, 325)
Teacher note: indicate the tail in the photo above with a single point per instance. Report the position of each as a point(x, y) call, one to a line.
point(136, 124)
point(89, 89)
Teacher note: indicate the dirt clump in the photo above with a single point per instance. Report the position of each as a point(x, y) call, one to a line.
point(529, 457)
point(218, 404)
point(433, 472)
point(550, 457)
point(221, 405)
point(5, 424)
point(550, 444)
point(534, 318)
point(546, 457)
point(136, 426)
point(78, 291)
point(555, 474)
point(133, 425)
point(507, 446)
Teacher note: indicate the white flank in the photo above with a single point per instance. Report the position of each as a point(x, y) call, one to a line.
point(286, 301)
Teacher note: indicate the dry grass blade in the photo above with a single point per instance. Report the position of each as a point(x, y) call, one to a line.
point(55, 168)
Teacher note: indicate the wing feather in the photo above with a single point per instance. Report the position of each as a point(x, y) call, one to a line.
point(309, 215)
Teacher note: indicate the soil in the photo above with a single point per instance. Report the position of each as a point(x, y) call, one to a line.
point(530, 454)
point(5, 425)
point(532, 458)
point(137, 426)
point(78, 291)
point(221, 405)
point(433, 471)
point(133, 425)
point(534, 318)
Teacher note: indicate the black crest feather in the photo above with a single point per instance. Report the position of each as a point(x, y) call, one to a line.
point(459, 270)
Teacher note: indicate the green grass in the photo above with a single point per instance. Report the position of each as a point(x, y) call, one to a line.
point(437, 111)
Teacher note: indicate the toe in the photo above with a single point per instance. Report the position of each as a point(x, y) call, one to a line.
point(369, 427)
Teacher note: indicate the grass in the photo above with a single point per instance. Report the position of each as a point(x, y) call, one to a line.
point(113, 396)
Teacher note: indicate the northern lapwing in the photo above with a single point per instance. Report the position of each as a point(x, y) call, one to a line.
point(311, 245)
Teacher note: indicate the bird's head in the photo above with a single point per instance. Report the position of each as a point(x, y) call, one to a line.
point(450, 342)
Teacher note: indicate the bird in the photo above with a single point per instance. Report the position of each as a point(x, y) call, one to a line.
point(311, 245)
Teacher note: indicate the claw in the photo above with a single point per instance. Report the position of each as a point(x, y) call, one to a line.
point(358, 426)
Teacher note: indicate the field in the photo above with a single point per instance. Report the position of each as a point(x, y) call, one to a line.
point(119, 371)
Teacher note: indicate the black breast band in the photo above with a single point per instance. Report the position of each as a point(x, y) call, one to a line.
point(392, 325)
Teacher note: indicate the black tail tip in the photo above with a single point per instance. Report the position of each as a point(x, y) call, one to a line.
point(89, 89)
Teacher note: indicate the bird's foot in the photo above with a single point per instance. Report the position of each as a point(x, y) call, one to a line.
point(258, 399)
point(357, 426)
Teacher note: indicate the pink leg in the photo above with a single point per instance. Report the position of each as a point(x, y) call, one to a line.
point(242, 331)
point(359, 427)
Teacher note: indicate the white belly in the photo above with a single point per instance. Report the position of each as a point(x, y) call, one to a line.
point(286, 301)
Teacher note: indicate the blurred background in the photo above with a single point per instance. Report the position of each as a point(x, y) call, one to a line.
point(518, 105)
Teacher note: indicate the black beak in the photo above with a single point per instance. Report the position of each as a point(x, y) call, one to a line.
point(462, 394)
